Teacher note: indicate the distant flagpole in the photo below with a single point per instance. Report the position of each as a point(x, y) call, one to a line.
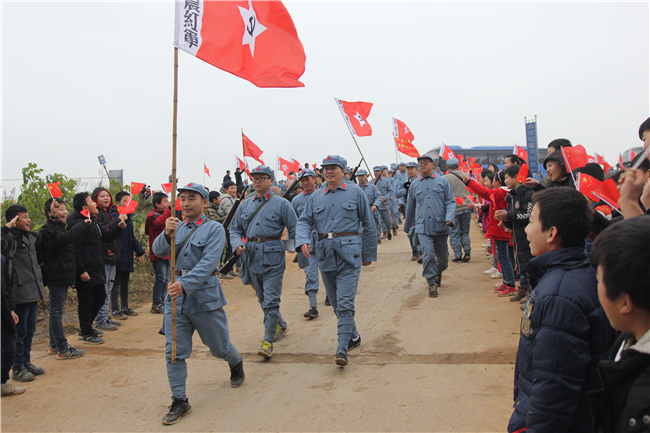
point(203, 172)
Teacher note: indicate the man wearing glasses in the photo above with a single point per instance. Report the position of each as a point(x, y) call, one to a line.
point(261, 220)
point(346, 241)
point(431, 207)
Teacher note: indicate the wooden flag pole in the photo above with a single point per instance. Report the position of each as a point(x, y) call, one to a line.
point(172, 255)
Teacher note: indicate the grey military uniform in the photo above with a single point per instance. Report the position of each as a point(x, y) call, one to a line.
point(374, 199)
point(310, 265)
point(386, 188)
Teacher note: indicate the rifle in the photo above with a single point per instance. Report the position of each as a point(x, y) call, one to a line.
point(353, 176)
point(288, 193)
point(230, 263)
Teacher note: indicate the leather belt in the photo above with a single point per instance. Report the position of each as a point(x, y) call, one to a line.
point(259, 240)
point(331, 235)
point(184, 272)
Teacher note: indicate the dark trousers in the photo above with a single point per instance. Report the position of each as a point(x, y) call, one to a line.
point(91, 299)
point(121, 288)
point(8, 348)
point(25, 329)
point(58, 294)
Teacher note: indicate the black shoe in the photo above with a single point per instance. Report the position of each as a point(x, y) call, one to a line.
point(341, 359)
point(179, 408)
point(354, 343)
point(420, 258)
point(395, 231)
point(390, 235)
point(327, 301)
point(36, 371)
point(433, 291)
point(467, 258)
point(458, 259)
point(312, 313)
point(237, 375)
point(438, 279)
point(295, 259)
point(415, 256)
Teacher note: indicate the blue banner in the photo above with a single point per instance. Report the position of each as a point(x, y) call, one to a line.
point(531, 148)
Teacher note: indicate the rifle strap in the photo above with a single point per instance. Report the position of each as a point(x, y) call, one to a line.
point(256, 212)
point(187, 238)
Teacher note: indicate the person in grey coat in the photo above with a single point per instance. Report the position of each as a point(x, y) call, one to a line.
point(459, 236)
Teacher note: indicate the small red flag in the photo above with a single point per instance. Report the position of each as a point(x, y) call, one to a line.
point(608, 192)
point(520, 152)
point(523, 173)
point(446, 152)
point(460, 201)
point(137, 187)
point(55, 191)
point(587, 184)
point(471, 198)
point(356, 115)
point(206, 170)
point(574, 157)
point(167, 188)
point(620, 160)
point(632, 155)
point(85, 213)
point(251, 150)
point(256, 41)
point(128, 208)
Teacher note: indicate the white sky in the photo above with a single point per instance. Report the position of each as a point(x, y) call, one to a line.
point(90, 78)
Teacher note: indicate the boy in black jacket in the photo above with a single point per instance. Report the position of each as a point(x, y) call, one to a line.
point(89, 258)
point(8, 338)
point(621, 256)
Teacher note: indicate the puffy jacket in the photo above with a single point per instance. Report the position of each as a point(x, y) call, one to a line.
point(497, 199)
point(520, 206)
point(19, 247)
point(106, 222)
point(60, 263)
point(564, 335)
point(128, 242)
point(89, 249)
point(623, 405)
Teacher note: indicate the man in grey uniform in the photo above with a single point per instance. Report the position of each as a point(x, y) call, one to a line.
point(431, 208)
point(373, 196)
point(385, 187)
point(400, 177)
point(310, 265)
point(346, 241)
point(401, 193)
point(198, 294)
point(261, 219)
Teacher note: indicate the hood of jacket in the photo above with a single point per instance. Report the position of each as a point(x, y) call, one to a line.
point(96, 192)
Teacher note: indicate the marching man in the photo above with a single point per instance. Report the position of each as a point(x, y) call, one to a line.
point(198, 294)
point(346, 241)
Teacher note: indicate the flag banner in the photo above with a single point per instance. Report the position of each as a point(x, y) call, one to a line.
point(574, 157)
point(590, 159)
point(54, 189)
point(254, 40)
point(446, 153)
point(406, 147)
point(520, 152)
point(523, 173)
point(167, 188)
point(608, 192)
point(355, 115)
point(137, 187)
point(297, 167)
point(251, 150)
point(586, 185)
point(284, 166)
point(206, 170)
point(404, 139)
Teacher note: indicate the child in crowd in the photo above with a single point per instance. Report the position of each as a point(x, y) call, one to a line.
point(154, 225)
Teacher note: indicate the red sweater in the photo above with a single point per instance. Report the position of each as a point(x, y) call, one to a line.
point(497, 199)
point(153, 226)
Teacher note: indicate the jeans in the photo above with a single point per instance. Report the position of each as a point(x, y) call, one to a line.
point(91, 300)
point(162, 268)
point(58, 294)
point(121, 289)
point(459, 236)
point(25, 329)
point(8, 344)
point(503, 256)
point(109, 271)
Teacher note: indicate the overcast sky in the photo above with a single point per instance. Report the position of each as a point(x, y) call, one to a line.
point(84, 79)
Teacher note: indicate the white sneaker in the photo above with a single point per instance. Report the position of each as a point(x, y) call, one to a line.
point(487, 244)
point(496, 275)
point(491, 271)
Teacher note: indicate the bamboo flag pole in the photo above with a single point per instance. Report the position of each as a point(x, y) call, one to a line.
point(172, 255)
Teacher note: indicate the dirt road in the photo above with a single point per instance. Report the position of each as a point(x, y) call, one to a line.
point(442, 364)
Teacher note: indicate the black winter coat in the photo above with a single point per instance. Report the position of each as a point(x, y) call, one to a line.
point(520, 206)
point(89, 249)
point(564, 335)
point(60, 267)
point(7, 298)
point(26, 277)
point(623, 405)
point(112, 249)
point(129, 244)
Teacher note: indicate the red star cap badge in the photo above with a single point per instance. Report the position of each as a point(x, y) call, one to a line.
point(189, 184)
point(328, 158)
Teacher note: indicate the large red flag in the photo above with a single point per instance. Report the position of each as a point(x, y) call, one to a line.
point(446, 153)
point(521, 152)
point(574, 157)
point(608, 192)
point(254, 40)
point(137, 187)
point(55, 191)
point(285, 166)
point(404, 139)
point(587, 184)
point(250, 149)
point(167, 188)
point(356, 115)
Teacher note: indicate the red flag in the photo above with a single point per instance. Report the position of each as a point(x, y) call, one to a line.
point(256, 41)
point(606, 167)
point(137, 187)
point(574, 157)
point(128, 208)
point(590, 159)
point(167, 188)
point(446, 152)
point(85, 213)
point(206, 170)
point(355, 115)
point(297, 167)
point(601, 160)
point(404, 139)
point(632, 155)
point(520, 152)
point(55, 191)
point(620, 160)
point(471, 198)
point(587, 184)
point(251, 150)
point(285, 166)
point(178, 204)
point(608, 192)
point(472, 163)
point(243, 166)
point(523, 173)
point(459, 200)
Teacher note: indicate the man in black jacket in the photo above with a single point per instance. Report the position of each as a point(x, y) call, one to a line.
point(89, 258)
point(8, 338)
point(59, 273)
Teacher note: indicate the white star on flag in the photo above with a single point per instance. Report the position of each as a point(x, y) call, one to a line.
point(360, 119)
point(406, 130)
point(284, 166)
point(252, 28)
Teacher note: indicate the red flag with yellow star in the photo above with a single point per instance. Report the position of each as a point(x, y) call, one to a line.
point(587, 184)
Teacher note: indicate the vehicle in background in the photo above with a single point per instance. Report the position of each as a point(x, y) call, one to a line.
point(485, 155)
